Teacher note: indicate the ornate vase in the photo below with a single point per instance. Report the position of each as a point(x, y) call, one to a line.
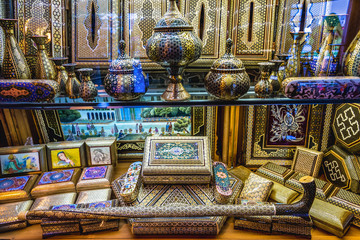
point(45, 68)
point(14, 64)
point(274, 79)
point(263, 87)
point(351, 59)
point(125, 80)
point(88, 91)
point(62, 75)
point(73, 84)
point(293, 66)
point(227, 79)
point(174, 45)
point(282, 68)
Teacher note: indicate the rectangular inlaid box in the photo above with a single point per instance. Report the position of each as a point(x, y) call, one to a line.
point(307, 161)
point(96, 177)
point(101, 151)
point(275, 172)
point(61, 181)
point(9, 215)
point(14, 189)
point(22, 160)
point(176, 160)
point(257, 223)
point(91, 196)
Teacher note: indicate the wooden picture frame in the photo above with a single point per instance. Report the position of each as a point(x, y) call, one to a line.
point(65, 155)
point(101, 151)
point(22, 160)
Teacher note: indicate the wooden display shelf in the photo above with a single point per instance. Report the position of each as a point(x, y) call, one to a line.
point(228, 232)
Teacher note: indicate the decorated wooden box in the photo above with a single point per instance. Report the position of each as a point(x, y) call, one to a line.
point(347, 200)
point(67, 154)
point(292, 225)
point(101, 151)
point(176, 160)
point(346, 126)
point(9, 215)
point(323, 188)
point(14, 189)
point(22, 160)
point(257, 223)
point(342, 168)
point(128, 186)
point(188, 194)
point(61, 181)
point(46, 202)
point(95, 178)
point(307, 161)
point(222, 190)
point(91, 196)
point(275, 172)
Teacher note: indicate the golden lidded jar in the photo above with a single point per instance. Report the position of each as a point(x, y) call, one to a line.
point(227, 79)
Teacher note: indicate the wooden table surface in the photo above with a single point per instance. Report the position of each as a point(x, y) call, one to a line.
point(227, 232)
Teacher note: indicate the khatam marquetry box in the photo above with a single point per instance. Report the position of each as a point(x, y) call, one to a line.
point(257, 223)
point(307, 161)
point(347, 200)
point(13, 189)
point(95, 178)
point(61, 181)
point(323, 188)
point(9, 215)
point(176, 160)
point(342, 168)
point(171, 194)
point(275, 172)
point(91, 196)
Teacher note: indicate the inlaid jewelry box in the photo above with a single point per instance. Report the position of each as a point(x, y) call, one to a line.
point(95, 178)
point(101, 151)
point(176, 160)
point(9, 215)
point(13, 189)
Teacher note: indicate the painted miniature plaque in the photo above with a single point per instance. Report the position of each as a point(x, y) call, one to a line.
point(94, 172)
point(13, 183)
point(100, 156)
point(62, 155)
point(102, 204)
point(20, 163)
point(56, 176)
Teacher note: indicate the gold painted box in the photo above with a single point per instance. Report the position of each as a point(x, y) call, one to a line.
point(67, 154)
point(128, 186)
point(176, 160)
point(347, 200)
point(45, 203)
point(101, 151)
point(61, 181)
point(22, 160)
point(323, 188)
point(90, 226)
point(9, 215)
point(188, 194)
point(342, 168)
point(330, 218)
point(91, 196)
point(95, 178)
point(52, 228)
point(14, 189)
point(275, 172)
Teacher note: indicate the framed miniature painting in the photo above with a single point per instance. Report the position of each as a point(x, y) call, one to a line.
point(22, 160)
point(63, 155)
point(101, 151)
point(273, 132)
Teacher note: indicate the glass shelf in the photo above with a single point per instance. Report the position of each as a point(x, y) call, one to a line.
point(199, 98)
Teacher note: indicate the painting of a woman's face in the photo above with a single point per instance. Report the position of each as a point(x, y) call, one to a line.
point(62, 156)
point(71, 156)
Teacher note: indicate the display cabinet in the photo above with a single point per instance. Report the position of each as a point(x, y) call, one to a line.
point(147, 63)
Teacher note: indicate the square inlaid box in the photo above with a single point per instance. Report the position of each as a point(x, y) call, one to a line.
point(176, 160)
point(94, 178)
point(67, 154)
point(61, 181)
point(307, 161)
point(13, 189)
point(101, 151)
point(22, 160)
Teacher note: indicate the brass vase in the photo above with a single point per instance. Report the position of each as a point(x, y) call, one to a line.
point(351, 59)
point(293, 68)
point(227, 79)
point(88, 91)
point(62, 75)
point(263, 87)
point(45, 68)
point(72, 84)
point(14, 64)
point(174, 45)
point(274, 77)
point(282, 68)
point(124, 82)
